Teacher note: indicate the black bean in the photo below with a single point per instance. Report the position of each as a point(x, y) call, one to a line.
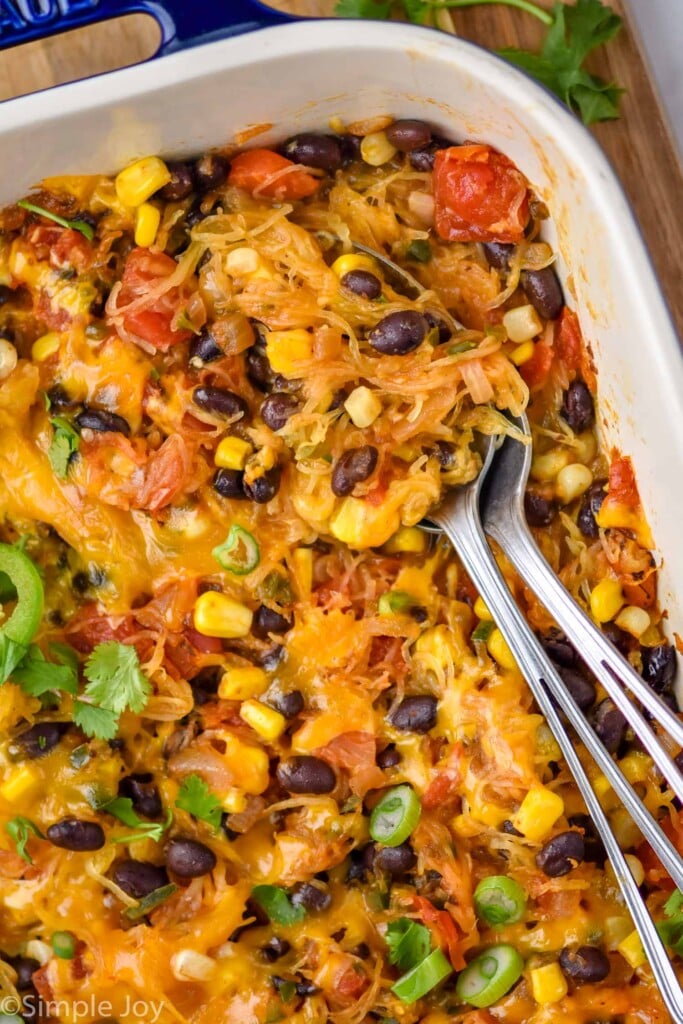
point(274, 949)
point(75, 834)
point(264, 488)
point(362, 282)
point(585, 964)
point(388, 758)
point(40, 739)
point(498, 254)
point(305, 988)
point(353, 467)
point(581, 688)
point(188, 858)
point(288, 704)
point(210, 171)
point(396, 860)
point(277, 409)
point(306, 774)
point(423, 159)
point(619, 638)
point(6, 293)
point(259, 370)
point(446, 453)
point(196, 213)
point(594, 848)
point(577, 406)
point(138, 877)
point(267, 621)
point(25, 966)
point(181, 183)
point(407, 135)
point(310, 896)
point(204, 349)
point(361, 861)
point(229, 483)
point(205, 684)
point(220, 401)
point(314, 150)
point(399, 332)
point(59, 398)
point(539, 511)
point(659, 667)
point(141, 789)
point(542, 289)
point(103, 422)
point(415, 714)
point(591, 503)
point(561, 854)
point(609, 724)
point(509, 828)
point(435, 321)
point(558, 647)
point(362, 951)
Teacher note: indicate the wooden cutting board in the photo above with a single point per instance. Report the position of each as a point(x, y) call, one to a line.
point(638, 144)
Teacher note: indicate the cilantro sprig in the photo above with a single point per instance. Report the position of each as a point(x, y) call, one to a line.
point(115, 683)
point(671, 929)
point(121, 807)
point(409, 943)
point(64, 445)
point(195, 797)
point(574, 31)
point(77, 225)
point(20, 830)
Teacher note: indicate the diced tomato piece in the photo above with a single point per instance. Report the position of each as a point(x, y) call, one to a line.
point(571, 348)
point(444, 929)
point(152, 322)
point(536, 370)
point(90, 627)
point(479, 195)
point(350, 985)
point(622, 482)
point(643, 594)
point(253, 169)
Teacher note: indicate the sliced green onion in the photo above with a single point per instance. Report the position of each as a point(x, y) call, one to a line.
point(21, 829)
point(499, 900)
point(395, 601)
point(460, 346)
point(277, 904)
point(434, 969)
point(483, 632)
point(77, 225)
point(240, 553)
point(64, 945)
point(150, 901)
point(490, 976)
point(395, 817)
point(419, 250)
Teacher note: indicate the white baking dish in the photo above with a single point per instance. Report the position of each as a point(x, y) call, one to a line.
point(296, 77)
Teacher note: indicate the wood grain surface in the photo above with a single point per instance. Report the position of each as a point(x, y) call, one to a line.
point(638, 144)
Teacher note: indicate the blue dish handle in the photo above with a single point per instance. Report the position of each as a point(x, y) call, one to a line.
point(183, 23)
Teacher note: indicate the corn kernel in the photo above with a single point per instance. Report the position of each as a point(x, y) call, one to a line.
point(437, 643)
point(636, 766)
point(585, 447)
point(242, 683)
point(234, 801)
point(408, 540)
point(548, 983)
point(633, 620)
point(21, 783)
point(363, 406)
point(615, 930)
point(136, 183)
point(606, 599)
point(636, 868)
point(500, 652)
point(189, 965)
point(147, 220)
point(481, 610)
point(285, 349)
point(572, 481)
point(353, 261)
point(362, 525)
point(267, 722)
point(522, 324)
point(538, 812)
point(604, 792)
point(489, 814)
point(522, 353)
point(626, 832)
point(232, 453)
point(302, 566)
point(242, 262)
point(8, 358)
point(38, 950)
point(47, 345)
point(545, 468)
point(249, 765)
point(376, 149)
point(219, 615)
point(631, 948)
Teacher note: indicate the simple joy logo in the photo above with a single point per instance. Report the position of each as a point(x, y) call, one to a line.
point(141, 1011)
point(18, 15)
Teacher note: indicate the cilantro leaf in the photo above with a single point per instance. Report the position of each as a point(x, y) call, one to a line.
point(77, 225)
point(11, 654)
point(115, 680)
point(65, 442)
point(671, 929)
point(277, 904)
point(196, 798)
point(149, 902)
point(20, 830)
point(121, 807)
point(409, 943)
point(36, 676)
point(65, 655)
point(379, 9)
point(94, 721)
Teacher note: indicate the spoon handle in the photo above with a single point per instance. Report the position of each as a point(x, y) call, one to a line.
point(613, 670)
point(462, 526)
